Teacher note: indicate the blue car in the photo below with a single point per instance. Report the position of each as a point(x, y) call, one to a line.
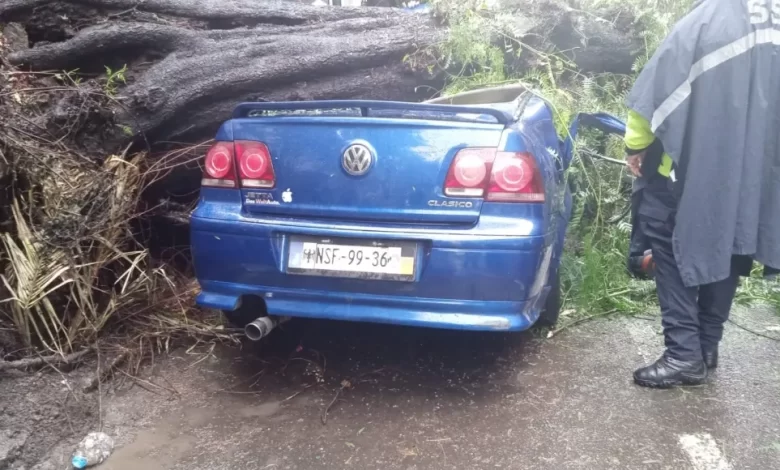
point(446, 214)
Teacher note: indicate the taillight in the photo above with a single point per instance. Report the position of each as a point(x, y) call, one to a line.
point(252, 159)
point(497, 176)
point(469, 172)
point(515, 178)
point(255, 168)
point(219, 167)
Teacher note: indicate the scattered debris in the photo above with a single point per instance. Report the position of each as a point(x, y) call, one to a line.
point(305, 387)
point(554, 332)
point(101, 375)
point(749, 330)
point(92, 450)
point(344, 384)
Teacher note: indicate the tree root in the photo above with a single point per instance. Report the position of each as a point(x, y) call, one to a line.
point(55, 359)
point(101, 41)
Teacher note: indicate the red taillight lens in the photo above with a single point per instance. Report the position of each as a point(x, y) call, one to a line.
point(218, 167)
point(469, 172)
point(254, 165)
point(497, 176)
point(515, 178)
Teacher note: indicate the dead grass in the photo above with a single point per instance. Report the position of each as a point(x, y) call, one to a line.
point(74, 271)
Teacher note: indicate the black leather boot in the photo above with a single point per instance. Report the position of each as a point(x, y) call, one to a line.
point(668, 372)
point(710, 357)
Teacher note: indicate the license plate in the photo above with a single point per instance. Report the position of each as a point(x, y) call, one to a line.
point(352, 258)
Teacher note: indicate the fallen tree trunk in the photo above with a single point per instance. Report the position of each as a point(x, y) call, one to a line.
point(189, 62)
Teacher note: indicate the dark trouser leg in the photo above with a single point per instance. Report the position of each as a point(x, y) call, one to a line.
point(683, 363)
point(679, 306)
point(715, 302)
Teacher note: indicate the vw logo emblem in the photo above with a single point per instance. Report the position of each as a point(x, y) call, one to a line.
point(357, 159)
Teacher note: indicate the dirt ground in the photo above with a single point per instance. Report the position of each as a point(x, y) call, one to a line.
point(413, 399)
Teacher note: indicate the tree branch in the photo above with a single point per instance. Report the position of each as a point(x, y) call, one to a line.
point(43, 360)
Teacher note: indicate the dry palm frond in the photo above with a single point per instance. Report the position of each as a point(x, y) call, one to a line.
point(72, 259)
point(71, 273)
point(32, 275)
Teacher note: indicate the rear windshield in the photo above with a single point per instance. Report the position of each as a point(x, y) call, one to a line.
point(379, 113)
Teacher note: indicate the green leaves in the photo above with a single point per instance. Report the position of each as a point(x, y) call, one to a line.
point(113, 79)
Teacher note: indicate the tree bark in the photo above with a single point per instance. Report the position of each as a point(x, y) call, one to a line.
point(190, 61)
point(242, 11)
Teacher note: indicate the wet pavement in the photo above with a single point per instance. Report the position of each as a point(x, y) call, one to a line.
point(427, 399)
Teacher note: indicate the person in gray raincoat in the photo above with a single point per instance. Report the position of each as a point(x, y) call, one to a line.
point(703, 137)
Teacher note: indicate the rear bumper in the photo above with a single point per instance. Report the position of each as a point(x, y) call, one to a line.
point(434, 313)
point(464, 280)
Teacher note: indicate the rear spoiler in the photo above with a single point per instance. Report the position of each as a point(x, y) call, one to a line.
point(244, 109)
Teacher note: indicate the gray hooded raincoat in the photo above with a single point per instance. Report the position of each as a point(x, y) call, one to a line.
point(712, 95)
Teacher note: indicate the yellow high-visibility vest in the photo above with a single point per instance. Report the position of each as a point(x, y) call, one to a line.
point(639, 137)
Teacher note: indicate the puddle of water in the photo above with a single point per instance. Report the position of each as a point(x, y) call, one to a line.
point(155, 449)
point(176, 437)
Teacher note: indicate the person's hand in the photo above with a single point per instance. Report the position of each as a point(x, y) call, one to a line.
point(634, 163)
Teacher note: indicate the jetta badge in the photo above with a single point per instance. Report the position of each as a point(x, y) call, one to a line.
point(357, 159)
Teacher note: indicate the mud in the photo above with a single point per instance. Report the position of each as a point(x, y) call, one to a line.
point(420, 399)
point(38, 412)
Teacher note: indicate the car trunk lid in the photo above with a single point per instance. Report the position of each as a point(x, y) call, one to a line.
point(365, 160)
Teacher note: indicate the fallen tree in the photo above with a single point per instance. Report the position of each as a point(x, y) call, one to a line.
point(188, 62)
point(94, 93)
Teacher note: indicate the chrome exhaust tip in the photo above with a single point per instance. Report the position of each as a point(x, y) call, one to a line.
point(262, 327)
